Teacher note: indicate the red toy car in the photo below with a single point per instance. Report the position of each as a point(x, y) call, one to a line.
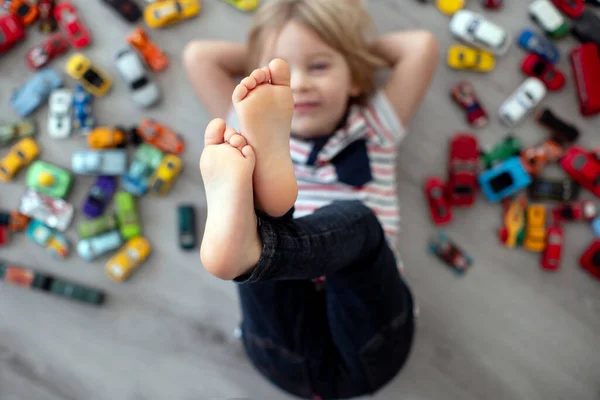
point(42, 54)
point(572, 8)
point(72, 25)
point(464, 95)
point(585, 63)
point(590, 260)
point(11, 31)
point(47, 20)
point(439, 209)
point(3, 235)
point(463, 167)
point(583, 167)
point(553, 252)
point(492, 4)
point(583, 210)
point(537, 66)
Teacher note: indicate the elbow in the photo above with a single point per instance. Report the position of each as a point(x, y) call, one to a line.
point(430, 46)
point(192, 54)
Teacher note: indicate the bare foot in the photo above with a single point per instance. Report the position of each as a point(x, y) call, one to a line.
point(264, 105)
point(231, 245)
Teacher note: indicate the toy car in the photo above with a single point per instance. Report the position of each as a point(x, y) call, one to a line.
point(446, 250)
point(97, 226)
point(463, 57)
point(49, 179)
point(107, 138)
point(99, 195)
point(573, 8)
point(11, 32)
point(596, 226)
point(83, 120)
point(128, 259)
point(146, 160)
point(39, 56)
point(168, 12)
point(186, 215)
point(59, 116)
point(563, 133)
point(95, 81)
point(20, 155)
point(145, 92)
point(127, 9)
point(71, 25)
point(535, 232)
point(585, 63)
point(539, 67)
point(492, 4)
point(548, 18)
point(512, 233)
point(527, 96)
point(127, 216)
point(4, 235)
point(476, 30)
point(18, 130)
point(536, 158)
point(464, 95)
point(587, 28)
point(160, 136)
point(583, 210)
point(553, 253)
point(583, 168)
point(510, 146)
point(439, 209)
point(590, 260)
point(534, 43)
point(245, 5)
point(22, 9)
point(449, 7)
point(595, 3)
point(35, 91)
point(92, 248)
point(18, 222)
point(504, 179)
point(56, 243)
point(99, 162)
point(553, 189)
point(155, 58)
point(462, 170)
point(161, 181)
point(56, 213)
point(47, 21)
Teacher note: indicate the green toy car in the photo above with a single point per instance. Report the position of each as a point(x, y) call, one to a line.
point(129, 222)
point(97, 226)
point(187, 227)
point(19, 130)
point(49, 179)
point(508, 147)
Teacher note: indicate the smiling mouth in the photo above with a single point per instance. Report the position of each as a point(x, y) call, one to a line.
point(305, 107)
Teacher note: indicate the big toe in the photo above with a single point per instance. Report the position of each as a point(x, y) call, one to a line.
point(215, 132)
point(280, 72)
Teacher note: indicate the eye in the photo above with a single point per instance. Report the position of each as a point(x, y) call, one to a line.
point(319, 66)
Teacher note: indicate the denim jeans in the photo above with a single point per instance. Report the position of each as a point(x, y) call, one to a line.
point(349, 338)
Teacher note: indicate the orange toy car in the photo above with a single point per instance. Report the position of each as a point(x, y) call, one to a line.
point(152, 54)
point(24, 10)
point(107, 138)
point(535, 158)
point(18, 221)
point(160, 136)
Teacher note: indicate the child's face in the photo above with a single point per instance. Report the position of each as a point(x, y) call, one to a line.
point(321, 81)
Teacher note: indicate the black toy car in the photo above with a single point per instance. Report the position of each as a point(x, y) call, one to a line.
point(587, 28)
point(127, 9)
point(186, 215)
point(553, 189)
point(562, 132)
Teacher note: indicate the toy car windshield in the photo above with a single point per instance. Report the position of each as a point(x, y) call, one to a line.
point(92, 77)
point(501, 182)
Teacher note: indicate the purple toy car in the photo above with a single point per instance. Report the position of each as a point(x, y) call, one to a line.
point(99, 196)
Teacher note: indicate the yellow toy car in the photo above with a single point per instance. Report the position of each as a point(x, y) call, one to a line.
point(20, 155)
point(128, 259)
point(244, 5)
point(168, 12)
point(94, 80)
point(162, 179)
point(513, 231)
point(535, 233)
point(106, 137)
point(449, 7)
point(463, 57)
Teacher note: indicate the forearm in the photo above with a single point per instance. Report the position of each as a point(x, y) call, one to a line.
point(396, 47)
point(228, 56)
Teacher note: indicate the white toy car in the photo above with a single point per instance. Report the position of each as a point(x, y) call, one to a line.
point(144, 91)
point(99, 162)
point(55, 213)
point(476, 30)
point(59, 115)
point(547, 16)
point(91, 248)
point(522, 101)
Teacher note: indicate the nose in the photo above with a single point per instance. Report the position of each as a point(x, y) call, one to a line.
point(299, 80)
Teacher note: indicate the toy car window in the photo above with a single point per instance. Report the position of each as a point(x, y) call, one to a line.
point(472, 28)
point(437, 193)
point(139, 83)
point(41, 234)
point(92, 77)
point(4, 171)
point(170, 165)
point(463, 189)
point(21, 155)
point(501, 182)
point(22, 10)
point(187, 238)
point(98, 193)
point(2, 38)
point(554, 239)
point(158, 184)
point(579, 162)
point(529, 96)
point(133, 254)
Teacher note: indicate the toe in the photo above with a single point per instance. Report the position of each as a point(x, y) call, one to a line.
point(249, 82)
point(238, 141)
point(248, 152)
point(214, 133)
point(259, 76)
point(239, 93)
point(280, 72)
point(229, 132)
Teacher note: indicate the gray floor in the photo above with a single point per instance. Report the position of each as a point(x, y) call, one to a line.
point(505, 331)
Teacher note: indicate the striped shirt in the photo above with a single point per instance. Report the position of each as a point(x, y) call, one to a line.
point(357, 162)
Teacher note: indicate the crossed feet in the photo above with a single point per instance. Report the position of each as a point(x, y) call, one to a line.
point(247, 170)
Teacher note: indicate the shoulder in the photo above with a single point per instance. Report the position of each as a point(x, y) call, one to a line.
point(380, 114)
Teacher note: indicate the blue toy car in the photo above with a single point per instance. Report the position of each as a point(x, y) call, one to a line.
point(83, 119)
point(534, 43)
point(56, 243)
point(35, 91)
point(504, 179)
point(147, 158)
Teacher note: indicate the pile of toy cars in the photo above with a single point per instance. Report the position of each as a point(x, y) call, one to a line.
point(503, 172)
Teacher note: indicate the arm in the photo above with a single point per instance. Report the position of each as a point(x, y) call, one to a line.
point(413, 57)
point(212, 67)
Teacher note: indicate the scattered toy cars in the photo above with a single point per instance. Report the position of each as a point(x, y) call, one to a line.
point(583, 210)
point(476, 30)
point(446, 250)
point(155, 58)
point(41, 55)
point(60, 114)
point(512, 233)
point(527, 96)
point(11, 32)
point(583, 168)
point(534, 43)
point(71, 25)
point(35, 91)
point(99, 162)
point(464, 95)
point(92, 248)
point(128, 259)
point(585, 64)
point(504, 179)
point(95, 81)
point(49, 179)
point(186, 216)
point(548, 73)
point(144, 91)
point(99, 195)
point(127, 216)
point(160, 136)
point(463, 166)
point(83, 119)
point(439, 208)
point(18, 130)
point(55, 213)
point(20, 155)
point(146, 160)
point(548, 18)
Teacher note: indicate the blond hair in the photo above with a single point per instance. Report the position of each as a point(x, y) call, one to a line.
point(341, 24)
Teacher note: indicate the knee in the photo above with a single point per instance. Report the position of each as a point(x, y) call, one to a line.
point(192, 53)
